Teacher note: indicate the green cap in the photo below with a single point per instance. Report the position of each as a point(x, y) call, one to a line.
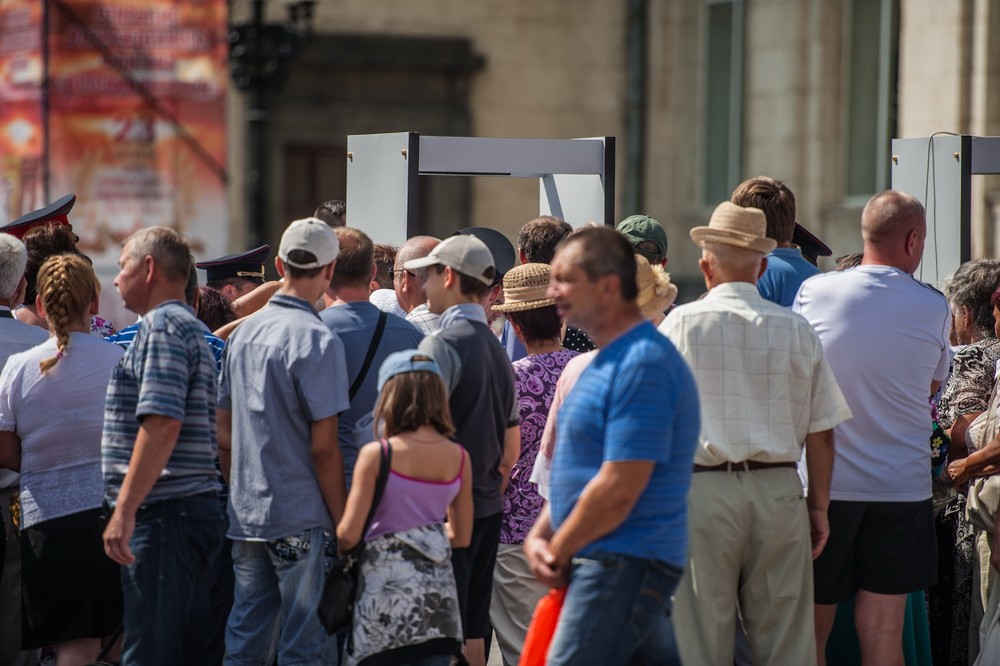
point(639, 228)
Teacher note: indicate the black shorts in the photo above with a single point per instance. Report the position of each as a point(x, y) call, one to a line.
point(69, 587)
point(474, 576)
point(881, 547)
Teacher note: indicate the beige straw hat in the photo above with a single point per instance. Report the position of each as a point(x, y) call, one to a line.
point(525, 288)
point(734, 225)
point(656, 292)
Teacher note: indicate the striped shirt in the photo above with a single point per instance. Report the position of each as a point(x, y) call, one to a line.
point(636, 401)
point(169, 371)
point(124, 338)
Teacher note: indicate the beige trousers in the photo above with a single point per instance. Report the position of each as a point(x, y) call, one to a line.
point(516, 592)
point(749, 545)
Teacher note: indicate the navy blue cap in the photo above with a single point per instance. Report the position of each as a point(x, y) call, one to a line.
point(504, 256)
point(247, 265)
point(401, 362)
point(55, 213)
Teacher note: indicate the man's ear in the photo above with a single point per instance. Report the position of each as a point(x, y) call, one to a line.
point(763, 267)
point(279, 266)
point(328, 270)
point(150, 265)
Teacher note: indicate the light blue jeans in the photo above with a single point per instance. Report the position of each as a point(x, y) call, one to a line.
point(278, 588)
point(617, 611)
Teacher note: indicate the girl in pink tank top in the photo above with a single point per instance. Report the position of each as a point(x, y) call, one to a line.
point(425, 510)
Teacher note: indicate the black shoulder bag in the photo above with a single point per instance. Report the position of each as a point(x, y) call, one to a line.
point(369, 357)
point(336, 606)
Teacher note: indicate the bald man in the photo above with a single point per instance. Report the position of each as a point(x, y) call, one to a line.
point(409, 285)
point(885, 335)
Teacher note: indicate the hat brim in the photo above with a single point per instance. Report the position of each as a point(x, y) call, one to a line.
point(521, 306)
point(422, 262)
point(760, 244)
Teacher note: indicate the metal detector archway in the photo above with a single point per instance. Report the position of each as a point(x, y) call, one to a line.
point(576, 176)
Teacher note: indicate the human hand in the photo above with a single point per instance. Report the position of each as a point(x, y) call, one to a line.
point(117, 535)
point(957, 472)
point(543, 562)
point(819, 530)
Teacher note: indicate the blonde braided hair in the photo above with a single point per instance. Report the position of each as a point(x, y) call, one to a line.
point(66, 286)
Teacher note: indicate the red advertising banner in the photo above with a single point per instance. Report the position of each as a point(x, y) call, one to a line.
point(21, 124)
point(136, 113)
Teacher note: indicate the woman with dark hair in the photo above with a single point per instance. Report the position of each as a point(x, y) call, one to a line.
point(537, 325)
point(214, 309)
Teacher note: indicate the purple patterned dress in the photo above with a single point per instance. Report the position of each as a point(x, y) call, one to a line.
point(536, 378)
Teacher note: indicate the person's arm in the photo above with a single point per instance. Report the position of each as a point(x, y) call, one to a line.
point(511, 452)
point(538, 552)
point(329, 465)
point(957, 432)
point(935, 387)
point(359, 502)
point(153, 446)
point(604, 504)
point(819, 462)
point(224, 426)
point(976, 463)
point(460, 512)
point(224, 332)
point(255, 300)
point(10, 450)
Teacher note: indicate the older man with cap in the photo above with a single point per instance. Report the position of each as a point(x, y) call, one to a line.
point(765, 388)
point(647, 237)
point(283, 383)
point(457, 276)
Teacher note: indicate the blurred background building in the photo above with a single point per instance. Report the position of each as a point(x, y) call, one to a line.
point(699, 93)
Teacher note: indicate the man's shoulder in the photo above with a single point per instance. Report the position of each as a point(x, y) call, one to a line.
point(12, 330)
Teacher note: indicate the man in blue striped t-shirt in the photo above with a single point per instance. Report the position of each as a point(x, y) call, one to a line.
point(158, 456)
point(616, 527)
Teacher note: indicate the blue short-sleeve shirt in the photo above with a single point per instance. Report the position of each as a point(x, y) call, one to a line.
point(169, 371)
point(637, 401)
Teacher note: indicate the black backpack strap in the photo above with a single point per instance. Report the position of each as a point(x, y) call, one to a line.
point(370, 356)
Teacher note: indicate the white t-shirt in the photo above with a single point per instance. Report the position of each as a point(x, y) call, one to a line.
point(58, 417)
point(885, 335)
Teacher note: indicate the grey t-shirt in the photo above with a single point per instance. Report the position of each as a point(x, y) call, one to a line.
point(354, 324)
point(282, 370)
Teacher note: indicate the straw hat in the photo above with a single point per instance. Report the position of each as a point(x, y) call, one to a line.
point(656, 292)
point(525, 288)
point(734, 225)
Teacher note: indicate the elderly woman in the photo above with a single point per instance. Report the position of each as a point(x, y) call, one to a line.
point(966, 396)
point(536, 324)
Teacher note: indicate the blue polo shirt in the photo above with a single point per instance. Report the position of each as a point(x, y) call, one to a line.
point(786, 270)
point(637, 400)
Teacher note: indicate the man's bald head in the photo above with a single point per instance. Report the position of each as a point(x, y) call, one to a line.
point(408, 286)
point(889, 216)
point(416, 247)
point(893, 228)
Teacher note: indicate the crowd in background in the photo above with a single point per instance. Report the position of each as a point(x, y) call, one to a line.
point(791, 469)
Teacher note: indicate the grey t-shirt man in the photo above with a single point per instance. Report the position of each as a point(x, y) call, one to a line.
point(282, 369)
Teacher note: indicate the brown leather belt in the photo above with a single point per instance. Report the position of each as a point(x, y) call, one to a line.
point(745, 466)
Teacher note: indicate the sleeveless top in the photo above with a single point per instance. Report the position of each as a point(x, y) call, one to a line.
point(408, 502)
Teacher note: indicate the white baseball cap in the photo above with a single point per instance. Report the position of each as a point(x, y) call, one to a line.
point(310, 235)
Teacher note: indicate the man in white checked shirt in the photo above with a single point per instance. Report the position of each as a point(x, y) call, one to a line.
point(765, 388)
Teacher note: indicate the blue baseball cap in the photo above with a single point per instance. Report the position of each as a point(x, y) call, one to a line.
point(401, 362)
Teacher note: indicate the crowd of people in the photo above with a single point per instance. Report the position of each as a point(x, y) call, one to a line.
point(710, 482)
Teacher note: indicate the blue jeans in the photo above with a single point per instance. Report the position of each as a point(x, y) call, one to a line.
point(165, 591)
point(278, 588)
point(617, 611)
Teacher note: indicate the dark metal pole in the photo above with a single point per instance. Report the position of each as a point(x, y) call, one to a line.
point(256, 135)
point(635, 107)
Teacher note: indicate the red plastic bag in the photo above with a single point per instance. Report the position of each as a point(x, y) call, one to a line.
point(542, 628)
